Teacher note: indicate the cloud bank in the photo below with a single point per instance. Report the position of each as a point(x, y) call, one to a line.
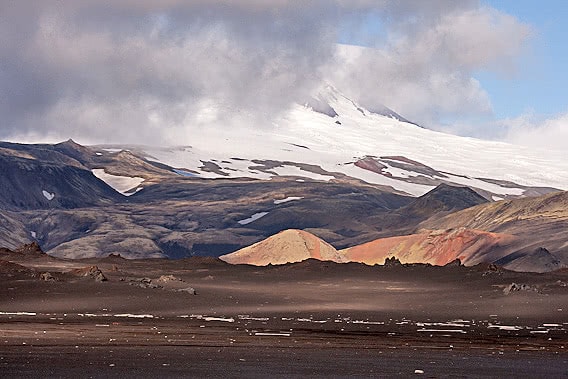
point(142, 71)
point(546, 134)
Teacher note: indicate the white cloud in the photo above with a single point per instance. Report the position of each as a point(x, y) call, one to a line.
point(548, 134)
point(426, 71)
point(155, 72)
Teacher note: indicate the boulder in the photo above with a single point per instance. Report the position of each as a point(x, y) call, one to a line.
point(93, 272)
point(392, 262)
point(189, 290)
point(514, 287)
point(168, 278)
point(47, 277)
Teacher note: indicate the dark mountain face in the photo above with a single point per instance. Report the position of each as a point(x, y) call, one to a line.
point(538, 260)
point(444, 198)
point(43, 184)
point(13, 232)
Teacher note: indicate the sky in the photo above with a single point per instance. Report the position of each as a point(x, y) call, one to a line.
point(141, 71)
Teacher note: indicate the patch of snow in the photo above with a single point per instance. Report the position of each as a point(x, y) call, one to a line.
point(504, 327)
point(272, 334)
point(121, 184)
point(99, 154)
point(247, 317)
point(49, 196)
point(209, 318)
point(311, 320)
point(443, 324)
point(287, 170)
point(33, 234)
point(365, 322)
point(19, 313)
point(443, 330)
point(94, 315)
point(221, 319)
point(114, 150)
point(374, 178)
point(252, 218)
point(290, 198)
point(398, 173)
point(130, 315)
point(497, 198)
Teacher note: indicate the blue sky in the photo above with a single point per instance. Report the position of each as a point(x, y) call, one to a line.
point(539, 84)
point(517, 102)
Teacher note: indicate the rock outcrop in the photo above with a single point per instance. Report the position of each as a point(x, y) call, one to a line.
point(92, 272)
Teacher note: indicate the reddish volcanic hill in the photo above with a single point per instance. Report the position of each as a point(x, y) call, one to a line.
point(437, 247)
point(288, 246)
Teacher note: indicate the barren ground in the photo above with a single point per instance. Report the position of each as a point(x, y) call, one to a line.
point(310, 319)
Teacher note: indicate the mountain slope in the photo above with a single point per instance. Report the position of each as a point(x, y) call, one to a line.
point(31, 183)
point(13, 232)
point(438, 247)
point(538, 223)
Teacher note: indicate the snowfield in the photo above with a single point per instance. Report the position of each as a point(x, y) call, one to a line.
point(121, 184)
point(332, 145)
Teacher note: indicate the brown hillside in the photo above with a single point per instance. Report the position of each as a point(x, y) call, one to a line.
point(288, 246)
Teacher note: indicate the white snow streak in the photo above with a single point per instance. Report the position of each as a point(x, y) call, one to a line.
point(49, 196)
point(252, 218)
point(290, 198)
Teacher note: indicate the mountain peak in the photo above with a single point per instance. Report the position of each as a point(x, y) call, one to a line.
point(328, 95)
point(69, 143)
point(446, 197)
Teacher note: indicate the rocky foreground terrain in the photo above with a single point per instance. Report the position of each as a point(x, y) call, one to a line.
point(113, 317)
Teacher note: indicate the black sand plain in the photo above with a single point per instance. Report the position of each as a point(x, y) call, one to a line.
point(311, 319)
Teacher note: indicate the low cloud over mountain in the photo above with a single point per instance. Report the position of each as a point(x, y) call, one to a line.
point(147, 72)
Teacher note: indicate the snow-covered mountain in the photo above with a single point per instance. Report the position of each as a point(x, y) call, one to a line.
point(332, 137)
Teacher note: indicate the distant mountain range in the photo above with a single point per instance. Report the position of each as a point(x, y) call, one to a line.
point(372, 186)
point(525, 235)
